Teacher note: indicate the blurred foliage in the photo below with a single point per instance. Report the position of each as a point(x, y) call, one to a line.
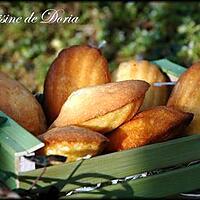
point(132, 30)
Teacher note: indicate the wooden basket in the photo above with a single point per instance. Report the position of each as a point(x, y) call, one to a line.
point(166, 162)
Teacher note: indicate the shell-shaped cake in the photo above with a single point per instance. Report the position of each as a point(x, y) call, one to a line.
point(75, 67)
point(19, 103)
point(186, 96)
point(150, 126)
point(144, 70)
point(104, 107)
point(73, 142)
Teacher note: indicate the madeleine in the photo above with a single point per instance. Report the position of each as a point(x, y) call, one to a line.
point(104, 107)
point(75, 67)
point(72, 142)
point(18, 103)
point(144, 70)
point(154, 125)
point(186, 96)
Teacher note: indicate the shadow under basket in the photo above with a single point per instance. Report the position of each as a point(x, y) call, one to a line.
point(161, 170)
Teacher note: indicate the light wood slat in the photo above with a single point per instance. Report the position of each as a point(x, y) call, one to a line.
point(7, 159)
point(158, 186)
point(120, 164)
point(169, 67)
point(17, 137)
point(7, 166)
point(14, 141)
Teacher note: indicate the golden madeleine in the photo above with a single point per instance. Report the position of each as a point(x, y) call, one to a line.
point(186, 96)
point(18, 103)
point(154, 125)
point(73, 142)
point(144, 70)
point(104, 107)
point(113, 119)
point(75, 67)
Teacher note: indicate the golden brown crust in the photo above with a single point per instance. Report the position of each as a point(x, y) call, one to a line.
point(88, 103)
point(72, 134)
point(144, 70)
point(73, 142)
point(153, 125)
point(74, 68)
point(186, 96)
point(18, 103)
point(114, 119)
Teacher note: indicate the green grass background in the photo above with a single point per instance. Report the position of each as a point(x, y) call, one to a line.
point(137, 30)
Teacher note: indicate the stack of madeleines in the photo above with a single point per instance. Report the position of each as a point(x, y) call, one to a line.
point(88, 111)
